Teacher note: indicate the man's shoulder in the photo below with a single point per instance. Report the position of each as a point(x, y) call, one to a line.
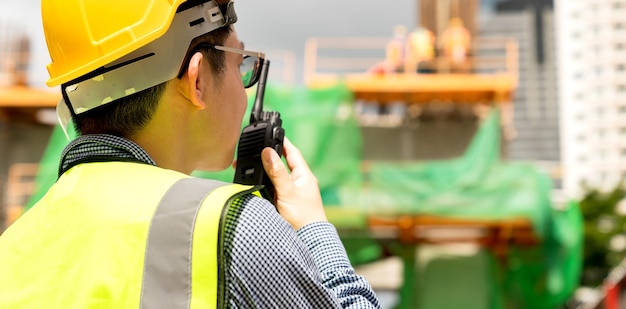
point(249, 212)
point(248, 204)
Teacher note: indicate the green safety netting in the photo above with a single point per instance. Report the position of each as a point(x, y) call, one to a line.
point(322, 124)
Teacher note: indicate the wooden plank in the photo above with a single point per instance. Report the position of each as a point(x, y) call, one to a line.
point(24, 97)
point(495, 233)
point(424, 88)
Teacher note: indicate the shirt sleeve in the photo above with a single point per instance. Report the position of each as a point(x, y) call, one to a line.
point(269, 266)
point(331, 259)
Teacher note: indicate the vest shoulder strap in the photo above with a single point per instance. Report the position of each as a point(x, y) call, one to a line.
point(167, 274)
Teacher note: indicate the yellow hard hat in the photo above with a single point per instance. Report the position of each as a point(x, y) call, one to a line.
point(102, 51)
point(455, 22)
point(83, 35)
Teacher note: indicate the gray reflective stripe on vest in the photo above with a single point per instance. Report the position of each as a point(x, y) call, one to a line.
point(167, 269)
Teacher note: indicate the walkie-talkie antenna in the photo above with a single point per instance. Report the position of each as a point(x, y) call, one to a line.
point(257, 108)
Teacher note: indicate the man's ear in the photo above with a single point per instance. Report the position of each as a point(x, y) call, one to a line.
point(196, 80)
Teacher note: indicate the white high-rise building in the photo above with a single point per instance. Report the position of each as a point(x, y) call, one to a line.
point(591, 37)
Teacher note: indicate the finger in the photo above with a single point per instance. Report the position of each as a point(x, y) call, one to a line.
point(301, 173)
point(275, 169)
point(293, 156)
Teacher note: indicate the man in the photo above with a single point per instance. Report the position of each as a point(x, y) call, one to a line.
point(156, 89)
point(395, 50)
point(456, 40)
point(420, 50)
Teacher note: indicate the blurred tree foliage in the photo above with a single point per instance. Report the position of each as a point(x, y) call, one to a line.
point(605, 234)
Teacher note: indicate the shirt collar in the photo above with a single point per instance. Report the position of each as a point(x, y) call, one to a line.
point(101, 147)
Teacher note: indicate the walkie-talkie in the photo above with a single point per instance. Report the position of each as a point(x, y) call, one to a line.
point(263, 131)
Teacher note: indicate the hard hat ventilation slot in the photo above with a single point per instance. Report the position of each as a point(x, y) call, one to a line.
point(196, 22)
point(215, 14)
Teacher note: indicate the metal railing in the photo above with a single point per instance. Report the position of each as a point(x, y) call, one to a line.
point(338, 56)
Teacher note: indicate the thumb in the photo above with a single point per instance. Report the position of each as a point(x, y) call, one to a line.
point(275, 169)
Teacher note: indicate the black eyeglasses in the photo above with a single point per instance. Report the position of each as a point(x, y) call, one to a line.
point(250, 68)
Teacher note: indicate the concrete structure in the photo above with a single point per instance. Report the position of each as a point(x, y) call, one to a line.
point(592, 36)
point(536, 108)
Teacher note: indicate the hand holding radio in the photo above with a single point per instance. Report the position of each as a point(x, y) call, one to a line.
point(298, 197)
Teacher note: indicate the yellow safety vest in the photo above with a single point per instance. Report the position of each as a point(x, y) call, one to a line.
point(118, 235)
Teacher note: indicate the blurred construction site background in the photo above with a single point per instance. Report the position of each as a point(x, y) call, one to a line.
point(470, 152)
